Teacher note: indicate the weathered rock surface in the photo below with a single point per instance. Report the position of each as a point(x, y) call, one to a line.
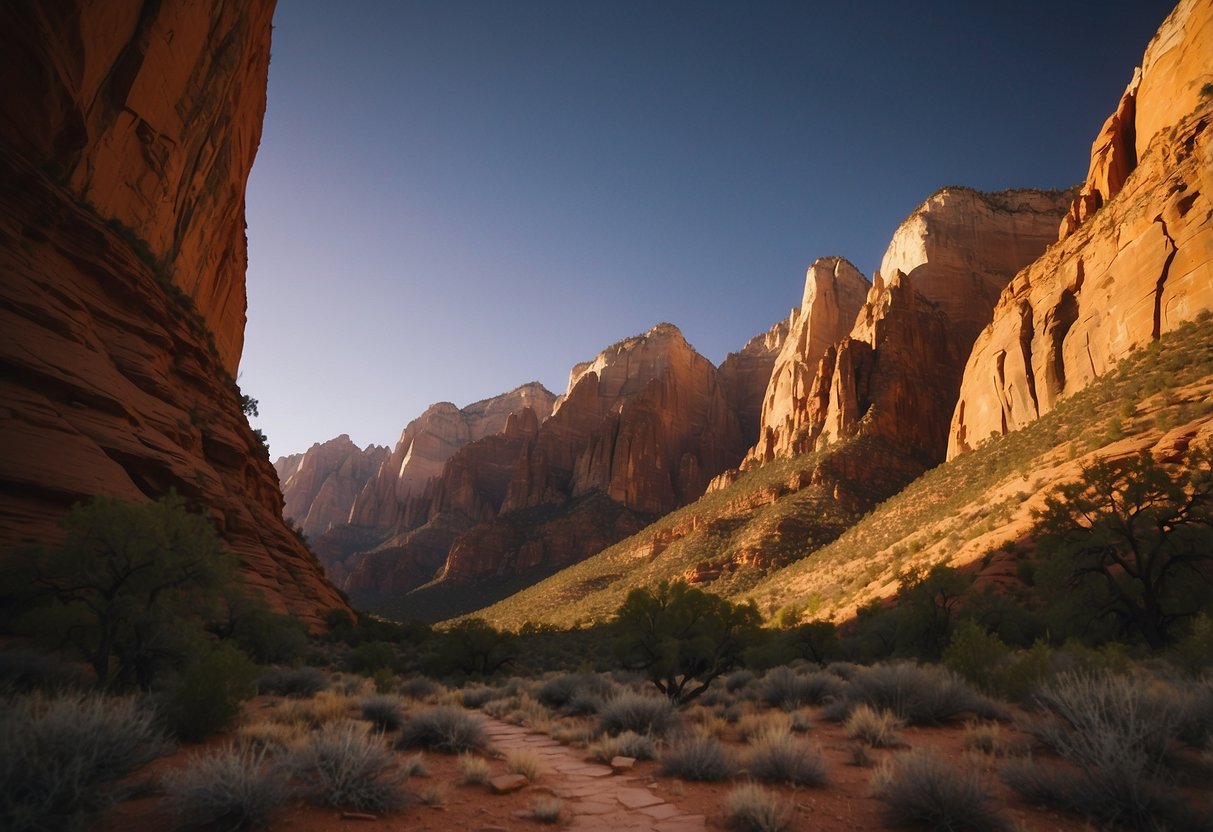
point(429, 441)
point(111, 382)
point(150, 113)
point(1138, 267)
point(320, 484)
point(746, 374)
point(834, 291)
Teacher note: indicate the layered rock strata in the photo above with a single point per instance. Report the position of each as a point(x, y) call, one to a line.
point(127, 131)
point(319, 485)
point(1138, 266)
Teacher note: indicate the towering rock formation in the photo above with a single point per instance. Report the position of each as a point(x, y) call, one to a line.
point(745, 375)
point(127, 131)
point(834, 291)
point(1125, 272)
point(429, 441)
point(319, 485)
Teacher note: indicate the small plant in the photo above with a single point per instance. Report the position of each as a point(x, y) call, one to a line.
point(985, 737)
point(383, 712)
point(548, 809)
point(419, 687)
point(294, 681)
point(415, 766)
point(434, 796)
point(627, 744)
point(233, 788)
point(325, 708)
point(876, 728)
point(754, 726)
point(524, 761)
point(751, 808)
point(587, 690)
point(477, 696)
point(270, 736)
point(344, 767)
point(207, 697)
point(698, 758)
point(777, 758)
point(474, 770)
point(64, 757)
point(783, 688)
point(919, 788)
point(443, 728)
point(635, 712)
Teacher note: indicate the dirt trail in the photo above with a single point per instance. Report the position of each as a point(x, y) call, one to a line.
point(595, 798)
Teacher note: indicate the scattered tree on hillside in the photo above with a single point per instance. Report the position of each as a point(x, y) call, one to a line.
point(1133, 540)
point(683, 637)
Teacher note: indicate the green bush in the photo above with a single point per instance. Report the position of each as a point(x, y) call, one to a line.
point(294, 681)
point(372, 656)
point(231, 788)
point(207, 697)
point(472, 647)
point(64, 758)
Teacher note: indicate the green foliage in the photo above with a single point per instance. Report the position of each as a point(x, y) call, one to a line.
point(267, 636)
point(372, 656)
point(64, 758)
point(682, 638)
point(1194, 652)
point(925, 604)
point(129, 588)
point(292, 681)
point(1132, 542)
point(207, 697)
point(472, 647)
point(976, 655)
point(249, 405)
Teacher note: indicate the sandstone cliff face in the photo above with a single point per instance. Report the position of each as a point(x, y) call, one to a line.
point(746, 374)
point(319, 485)
point(110, 381)
point(1138, 267)
point(834, 291)
point(151, 113)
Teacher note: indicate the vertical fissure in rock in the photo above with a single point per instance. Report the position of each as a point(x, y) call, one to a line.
point(1162, 277)
point(1025, 348)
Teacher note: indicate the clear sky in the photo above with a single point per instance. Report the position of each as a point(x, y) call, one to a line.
point(453, 198)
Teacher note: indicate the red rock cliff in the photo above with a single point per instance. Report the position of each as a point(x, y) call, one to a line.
point(319, 485)
point(1125, 272)
point(127, 131)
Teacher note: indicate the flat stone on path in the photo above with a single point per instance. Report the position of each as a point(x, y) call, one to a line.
point(507, 783)
point(637, 798)
point(619, 764)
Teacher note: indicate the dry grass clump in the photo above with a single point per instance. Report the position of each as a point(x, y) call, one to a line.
point(524, 761)
point(323, 709)
point(473, 770)
point(627, 744)
point(779, 758)
point(751, 808)
point(443, 728)
point(753, 726)
point(582, 693)
point(420, 688)
point(699, 758)
point(986, 737)
point(232, 788)
point(919, 788)
point(293, 681)
point(345, 767)
point(383, 711)
point(434, 795)
point(547, 809)
point(784, 688)
point(271, 736)
point(921, 695)
point(878, 729)
point(477, 696)
point(639, 713)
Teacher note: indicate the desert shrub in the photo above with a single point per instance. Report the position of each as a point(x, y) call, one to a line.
point(293, 681)
point(268, 637)
point(919, 694)
point(976, 656)
point(699, 758)
point(584, 703)
point(524, 761)
point(271, 736)
point(560, 691)
point(207, 697)
point(372, 656)
point(232, 788)
point(779, 758)
point(64, 757)
point(1118, 732)
point(878, 728)
point(477, 696)
point(344, 767)
point(682, 638)
point(547, 809)
point(23, 670)
point(799, 722)
point(626, 744)
point(419, 687)
point(472, 647)
point(986, 737)
point(783, 688)
point(751, 808)
point(385, 713)
point(738, 679)
point(474, 770)
point(919, 788)
point(1194, 651)
point(415, 766)
point(638, 713)
point(753, 726)
point(322, 709)
point(443, 728)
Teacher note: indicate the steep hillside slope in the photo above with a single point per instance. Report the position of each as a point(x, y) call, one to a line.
point(127, 131)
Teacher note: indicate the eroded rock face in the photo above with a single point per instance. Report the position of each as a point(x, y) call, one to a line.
point(834, 291)
point(319, 485)
point(746, 374)
point(1138, 267)
point(111, 382)
point(151, 113)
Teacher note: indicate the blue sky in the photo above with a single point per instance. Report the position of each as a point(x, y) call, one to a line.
point(454, 198)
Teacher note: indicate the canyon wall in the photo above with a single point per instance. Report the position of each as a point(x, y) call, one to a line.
point(127, 131)
point(1136, 255)
point(319, 485)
